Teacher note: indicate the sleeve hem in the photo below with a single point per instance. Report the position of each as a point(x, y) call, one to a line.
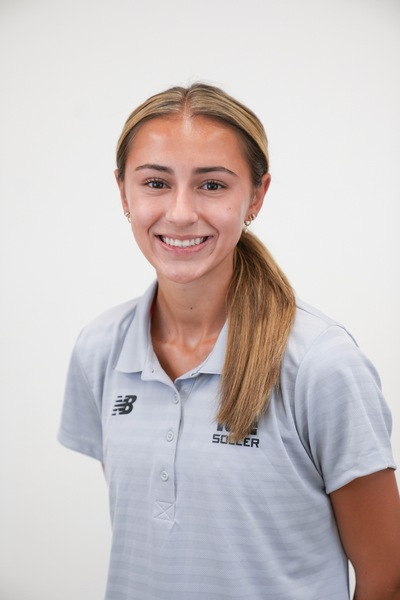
point(346, 478)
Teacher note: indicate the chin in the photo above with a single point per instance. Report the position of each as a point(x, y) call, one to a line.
point(179, 277)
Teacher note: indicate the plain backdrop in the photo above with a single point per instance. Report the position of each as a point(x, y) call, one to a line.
point(323, 76)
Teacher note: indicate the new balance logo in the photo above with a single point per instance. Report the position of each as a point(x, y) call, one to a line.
point(223, 438)
point(124, 405)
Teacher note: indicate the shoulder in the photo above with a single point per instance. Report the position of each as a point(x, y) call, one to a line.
point(99, 344)
point(107, 326)
point(322, 356)
point(315, 333)
point(325, 371)
point(110, 327)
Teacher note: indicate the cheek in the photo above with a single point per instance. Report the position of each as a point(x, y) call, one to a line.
point(234, 214)
point(143, 212)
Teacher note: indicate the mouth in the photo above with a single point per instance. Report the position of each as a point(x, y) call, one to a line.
point(173, 242)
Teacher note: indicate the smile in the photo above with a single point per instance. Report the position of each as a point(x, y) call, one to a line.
point(182, 243)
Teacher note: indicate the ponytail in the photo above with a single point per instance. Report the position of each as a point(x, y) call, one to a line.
point(261, 309)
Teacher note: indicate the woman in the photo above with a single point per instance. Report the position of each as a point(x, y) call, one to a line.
point(244, 436)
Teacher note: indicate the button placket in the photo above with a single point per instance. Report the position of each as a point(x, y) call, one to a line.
point(164, 506)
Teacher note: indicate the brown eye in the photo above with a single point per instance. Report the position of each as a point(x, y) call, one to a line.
point(155, 184)
point(213, 186)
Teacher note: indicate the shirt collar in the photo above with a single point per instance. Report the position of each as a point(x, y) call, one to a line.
point(214, 362)
point(137, 354)
point(136, 343)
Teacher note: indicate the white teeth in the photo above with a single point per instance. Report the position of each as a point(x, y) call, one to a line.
point(183, 243)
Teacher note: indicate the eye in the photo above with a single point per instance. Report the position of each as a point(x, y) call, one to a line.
point(155, 184)
point(213, 186)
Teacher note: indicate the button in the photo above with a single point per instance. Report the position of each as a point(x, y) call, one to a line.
point(175, 399)
point(164, 475)
point(170, 436)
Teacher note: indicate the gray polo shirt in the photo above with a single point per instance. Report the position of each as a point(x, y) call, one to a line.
point(195, 517)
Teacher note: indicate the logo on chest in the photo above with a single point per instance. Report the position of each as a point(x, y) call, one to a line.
point(124, 405)
point(223, 438)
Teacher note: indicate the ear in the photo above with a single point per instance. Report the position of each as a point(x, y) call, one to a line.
point(259, 194)
point(121, 188)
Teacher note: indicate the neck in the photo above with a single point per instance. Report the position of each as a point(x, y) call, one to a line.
point(189, 312)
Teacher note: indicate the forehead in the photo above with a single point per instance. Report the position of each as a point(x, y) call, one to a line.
point(190, 136)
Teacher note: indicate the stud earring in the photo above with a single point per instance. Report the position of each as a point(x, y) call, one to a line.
point(127, 214)
point(248, 221)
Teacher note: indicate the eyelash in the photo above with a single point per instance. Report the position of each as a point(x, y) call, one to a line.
point(154, 180)
point(158, 184)
point(218, 184)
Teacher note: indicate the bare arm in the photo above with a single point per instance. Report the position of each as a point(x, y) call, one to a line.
point(367, 512)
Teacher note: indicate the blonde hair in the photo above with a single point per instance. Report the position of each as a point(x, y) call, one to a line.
point(260, 300)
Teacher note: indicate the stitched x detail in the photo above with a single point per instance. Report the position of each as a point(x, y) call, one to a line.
point(164, 511)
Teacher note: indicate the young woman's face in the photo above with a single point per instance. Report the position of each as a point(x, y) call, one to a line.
point(188, 189)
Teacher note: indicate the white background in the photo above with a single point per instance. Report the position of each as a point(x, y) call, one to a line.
point(324, 77)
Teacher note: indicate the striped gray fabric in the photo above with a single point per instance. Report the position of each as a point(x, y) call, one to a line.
point(195, 517)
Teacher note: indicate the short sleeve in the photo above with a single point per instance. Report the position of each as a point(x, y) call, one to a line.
point(342, 416)
point(80, 428)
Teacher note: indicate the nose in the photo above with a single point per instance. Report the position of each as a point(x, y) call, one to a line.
point(181, 209)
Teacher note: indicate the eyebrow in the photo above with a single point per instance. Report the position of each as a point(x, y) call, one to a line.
point(154, 168)
point(204, 170)
point(198, 171)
